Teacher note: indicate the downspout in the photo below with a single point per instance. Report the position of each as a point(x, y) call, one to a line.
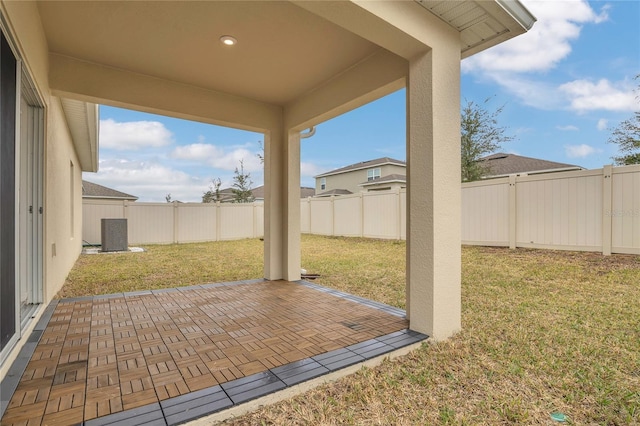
point(311, 132)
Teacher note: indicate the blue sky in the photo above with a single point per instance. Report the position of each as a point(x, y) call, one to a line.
point(563, 85)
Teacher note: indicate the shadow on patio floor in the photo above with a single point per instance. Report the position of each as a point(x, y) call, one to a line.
point(173, 355)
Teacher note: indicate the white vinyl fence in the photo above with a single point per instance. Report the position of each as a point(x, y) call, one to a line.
point(367, 214)
point(591, 210)
point(165, 223)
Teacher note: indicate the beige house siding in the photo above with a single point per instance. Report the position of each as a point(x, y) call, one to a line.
point(377, 48)
point(63, 227)
point(62, 186)
point(352, 179)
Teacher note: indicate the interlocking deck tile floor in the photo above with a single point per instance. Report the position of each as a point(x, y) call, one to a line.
point(110, 354)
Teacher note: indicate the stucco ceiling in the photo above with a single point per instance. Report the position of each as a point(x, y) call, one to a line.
point(282, 52)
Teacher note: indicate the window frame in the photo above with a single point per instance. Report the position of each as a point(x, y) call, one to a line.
point(372, 175)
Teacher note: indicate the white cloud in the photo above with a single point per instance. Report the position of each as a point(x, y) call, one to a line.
point(577, 95)
point(217, 157)
point(148, 180)
point(585, 95)
point(133, 135)
point(579, 151)
point(516, 63)
point(546, 44)
point(568, 128)
point(309, 169)
point(602, 124)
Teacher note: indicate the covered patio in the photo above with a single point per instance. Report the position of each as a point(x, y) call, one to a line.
point(173, 355)
point(295, 64)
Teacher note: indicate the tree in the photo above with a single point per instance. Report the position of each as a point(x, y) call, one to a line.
point(627, 136)
point(480, 135)
point(261, 155)
point(168, 198)
point(241, 187)
point(213, 194)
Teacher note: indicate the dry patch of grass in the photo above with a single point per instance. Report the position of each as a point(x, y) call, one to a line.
point(165, 266)
point(543, 331)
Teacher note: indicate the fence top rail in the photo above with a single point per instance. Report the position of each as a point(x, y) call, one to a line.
point(168, 205)
point(634, 168)
point(560, 175)
point(486, 182)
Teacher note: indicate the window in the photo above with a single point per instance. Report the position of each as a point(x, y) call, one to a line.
point(323, 184)
point(373, 174)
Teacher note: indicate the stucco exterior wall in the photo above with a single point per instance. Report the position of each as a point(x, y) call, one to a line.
point(63, 201)
point(351, 180)
point(62, 189)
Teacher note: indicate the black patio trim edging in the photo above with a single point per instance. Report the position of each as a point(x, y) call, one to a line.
point(193, 405)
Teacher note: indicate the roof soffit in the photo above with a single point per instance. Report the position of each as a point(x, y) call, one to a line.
point(482, 24)
point(282, 51)
point(82, 120)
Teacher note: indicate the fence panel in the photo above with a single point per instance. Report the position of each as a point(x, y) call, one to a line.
point(236, 222)
point(196, 222)
point(321, 217)
point(348, 215)
point(305, 216)
point(562, 211)
point(150, 223)
point(258, 211)
point(92, 213)
point(403, 214)
point(596, 210)
point(485, 212)
point(625, 210)
point(381, 214)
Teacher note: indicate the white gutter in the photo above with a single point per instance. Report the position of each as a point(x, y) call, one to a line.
point(519, 12)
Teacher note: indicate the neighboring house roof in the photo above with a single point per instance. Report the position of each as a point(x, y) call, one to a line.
point(227, 194)
point(364, 165)
point(392, 178)
point(258, 193)
point(502, 164)
point(335, 192)
point(93, 190)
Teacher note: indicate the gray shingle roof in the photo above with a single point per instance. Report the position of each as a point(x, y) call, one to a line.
point(93, 190)
point(363, 165)
point(304, 192)
point(258, 193)
point(394, 177)
point(506, 164)
point(334, 192)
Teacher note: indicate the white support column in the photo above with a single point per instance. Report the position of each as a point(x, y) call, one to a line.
point(282, 205)
point(433, 194)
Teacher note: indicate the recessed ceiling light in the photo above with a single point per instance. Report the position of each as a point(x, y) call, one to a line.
point(228, 40)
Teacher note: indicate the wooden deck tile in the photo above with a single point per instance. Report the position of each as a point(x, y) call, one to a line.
point(100, 357)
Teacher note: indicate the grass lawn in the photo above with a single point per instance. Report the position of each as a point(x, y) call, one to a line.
point(543, 331)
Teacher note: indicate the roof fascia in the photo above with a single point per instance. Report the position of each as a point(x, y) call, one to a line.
point(386, 163)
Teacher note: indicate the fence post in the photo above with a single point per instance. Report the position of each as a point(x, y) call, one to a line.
point(309, 208)
point(513, 226)
point(175, 223)
point(254, 219)
point(607, 201)
point(218, 220)
point(361, 214)
point(333, 216)
point(398, 213)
